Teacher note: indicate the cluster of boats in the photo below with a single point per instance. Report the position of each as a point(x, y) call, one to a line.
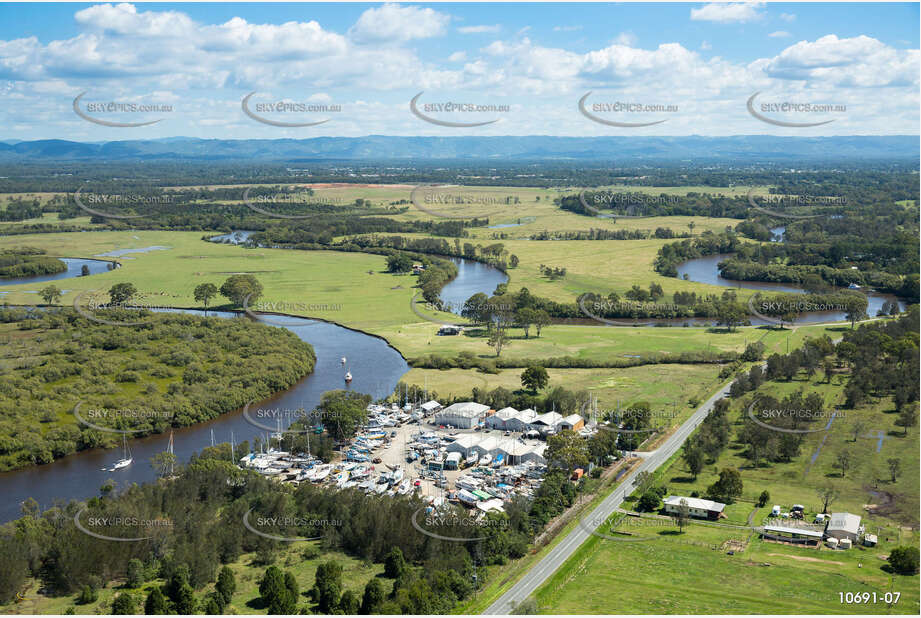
point(483, 484)
point(289, 468)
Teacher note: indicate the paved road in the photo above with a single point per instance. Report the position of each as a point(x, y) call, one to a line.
point(541, 571)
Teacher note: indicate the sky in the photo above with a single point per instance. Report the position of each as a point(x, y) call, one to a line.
point(353, 69)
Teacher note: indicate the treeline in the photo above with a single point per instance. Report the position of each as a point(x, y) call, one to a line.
point(18, 209)
point(494, 254)
point(28, 262)
point(173, 370)
point(602, 234)
point(708, 243)
point(691, 204)
point(741, 270)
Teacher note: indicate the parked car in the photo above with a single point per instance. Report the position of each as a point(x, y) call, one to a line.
point(376, 460)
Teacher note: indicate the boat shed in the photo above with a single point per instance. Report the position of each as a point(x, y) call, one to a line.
point(462, 415)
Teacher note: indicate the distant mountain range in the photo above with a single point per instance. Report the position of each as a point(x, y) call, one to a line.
point(742, 148)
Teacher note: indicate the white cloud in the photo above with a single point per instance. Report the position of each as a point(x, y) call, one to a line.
point(479, 29)
point(130, 55)
point(788, 16)
point(627, 39)
point(859, 61)
point(394, 22)
point(728, 12)
point(780, 34)
point(566, 28)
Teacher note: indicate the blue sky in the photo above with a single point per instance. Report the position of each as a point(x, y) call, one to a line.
point(683, 68)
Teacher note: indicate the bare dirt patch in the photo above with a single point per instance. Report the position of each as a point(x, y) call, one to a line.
point(806, 558)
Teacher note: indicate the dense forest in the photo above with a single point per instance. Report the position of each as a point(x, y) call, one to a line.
point(171, 370)
point(28, 262)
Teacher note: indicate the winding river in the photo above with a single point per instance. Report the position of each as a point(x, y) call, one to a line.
point(375, 366)
point(706, 270)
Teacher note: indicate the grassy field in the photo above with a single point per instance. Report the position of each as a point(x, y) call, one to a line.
point(347, 288)
point(660, 385)
point(246, 600)
point(692, 573)
point(764, 577)
point(597, 342)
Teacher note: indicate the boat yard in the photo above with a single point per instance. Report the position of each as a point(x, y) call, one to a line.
point(399, 453)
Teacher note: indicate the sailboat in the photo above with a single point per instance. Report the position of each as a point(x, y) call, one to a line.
point(126, 460)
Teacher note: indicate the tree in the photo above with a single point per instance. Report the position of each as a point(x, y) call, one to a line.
point(498, 339)
point(349, 603)
point(135, 575)
point(764, 498)
point(643, 481)
point(399, 263)
point(855, 313)
point(214, 604)
point(683, 515)
point(729, 313)
point(156, 604)
point(541, 319)
point(694, 457)
point(88, 594)
point(534, 378)
point(895, 468)
point(475, 308)
point(525, 318)
point(327, 587)
point(204, 292)
point(343, 412)
point(648, 502)
point(567, 449)
point(904, 560)
point(240, 288)
point(373, 597)
point(226, 584)
point(843, 461)
point(907, 418)
point(858, 428)
point(394, 564)
point(122, 293)
point(513, 259)
point(124, 605)
point(728, 487)
point(184, 602)
point(50, 294)
point(164, 463)
point(275, 589)
point(827, 494)
point(85, 270)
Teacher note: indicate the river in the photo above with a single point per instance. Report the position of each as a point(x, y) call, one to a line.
point(705, 270)
point(74, 268)
point(375, 366)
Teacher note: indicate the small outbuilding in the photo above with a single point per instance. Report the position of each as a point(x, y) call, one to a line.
point(803, 536)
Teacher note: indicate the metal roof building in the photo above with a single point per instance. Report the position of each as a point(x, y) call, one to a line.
point(843, 526)
point(464, 415)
